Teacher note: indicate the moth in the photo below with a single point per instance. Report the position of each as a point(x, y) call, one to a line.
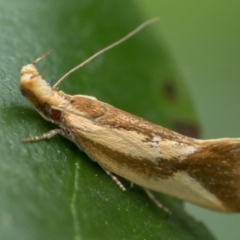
point(202, 172)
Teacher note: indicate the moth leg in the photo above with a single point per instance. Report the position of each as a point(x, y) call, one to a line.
point(46, 135)
point(114, 178)
point(156, 202)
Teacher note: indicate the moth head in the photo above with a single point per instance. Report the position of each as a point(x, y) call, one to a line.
point(33, 87)
point(36, 90)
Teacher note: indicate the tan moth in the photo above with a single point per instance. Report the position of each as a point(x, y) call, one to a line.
point(202, 172)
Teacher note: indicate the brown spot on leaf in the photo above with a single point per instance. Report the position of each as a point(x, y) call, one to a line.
point(170, 90)
point(187, 129)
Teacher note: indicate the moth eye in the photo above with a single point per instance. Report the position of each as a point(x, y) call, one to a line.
point(55, 115)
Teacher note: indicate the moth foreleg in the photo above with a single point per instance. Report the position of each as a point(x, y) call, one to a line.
point(156, 202)
point(46, 135)
point(114, 178)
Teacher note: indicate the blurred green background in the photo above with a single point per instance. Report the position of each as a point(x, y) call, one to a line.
point(199, 41)
point(204, 38)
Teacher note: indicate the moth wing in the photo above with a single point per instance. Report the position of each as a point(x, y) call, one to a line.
point(203, 172)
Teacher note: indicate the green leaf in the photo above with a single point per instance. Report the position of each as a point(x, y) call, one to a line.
point(50, 189)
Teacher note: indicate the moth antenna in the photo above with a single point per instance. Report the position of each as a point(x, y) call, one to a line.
point(41, 57)
point(136, 30)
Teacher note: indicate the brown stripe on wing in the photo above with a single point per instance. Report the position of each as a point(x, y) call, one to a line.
point(120, 119)
point(216, 166)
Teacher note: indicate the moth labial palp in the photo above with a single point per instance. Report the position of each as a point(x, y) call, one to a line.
point(202, 172)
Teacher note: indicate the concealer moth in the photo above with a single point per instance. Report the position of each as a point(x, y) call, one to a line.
point(202, 172)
